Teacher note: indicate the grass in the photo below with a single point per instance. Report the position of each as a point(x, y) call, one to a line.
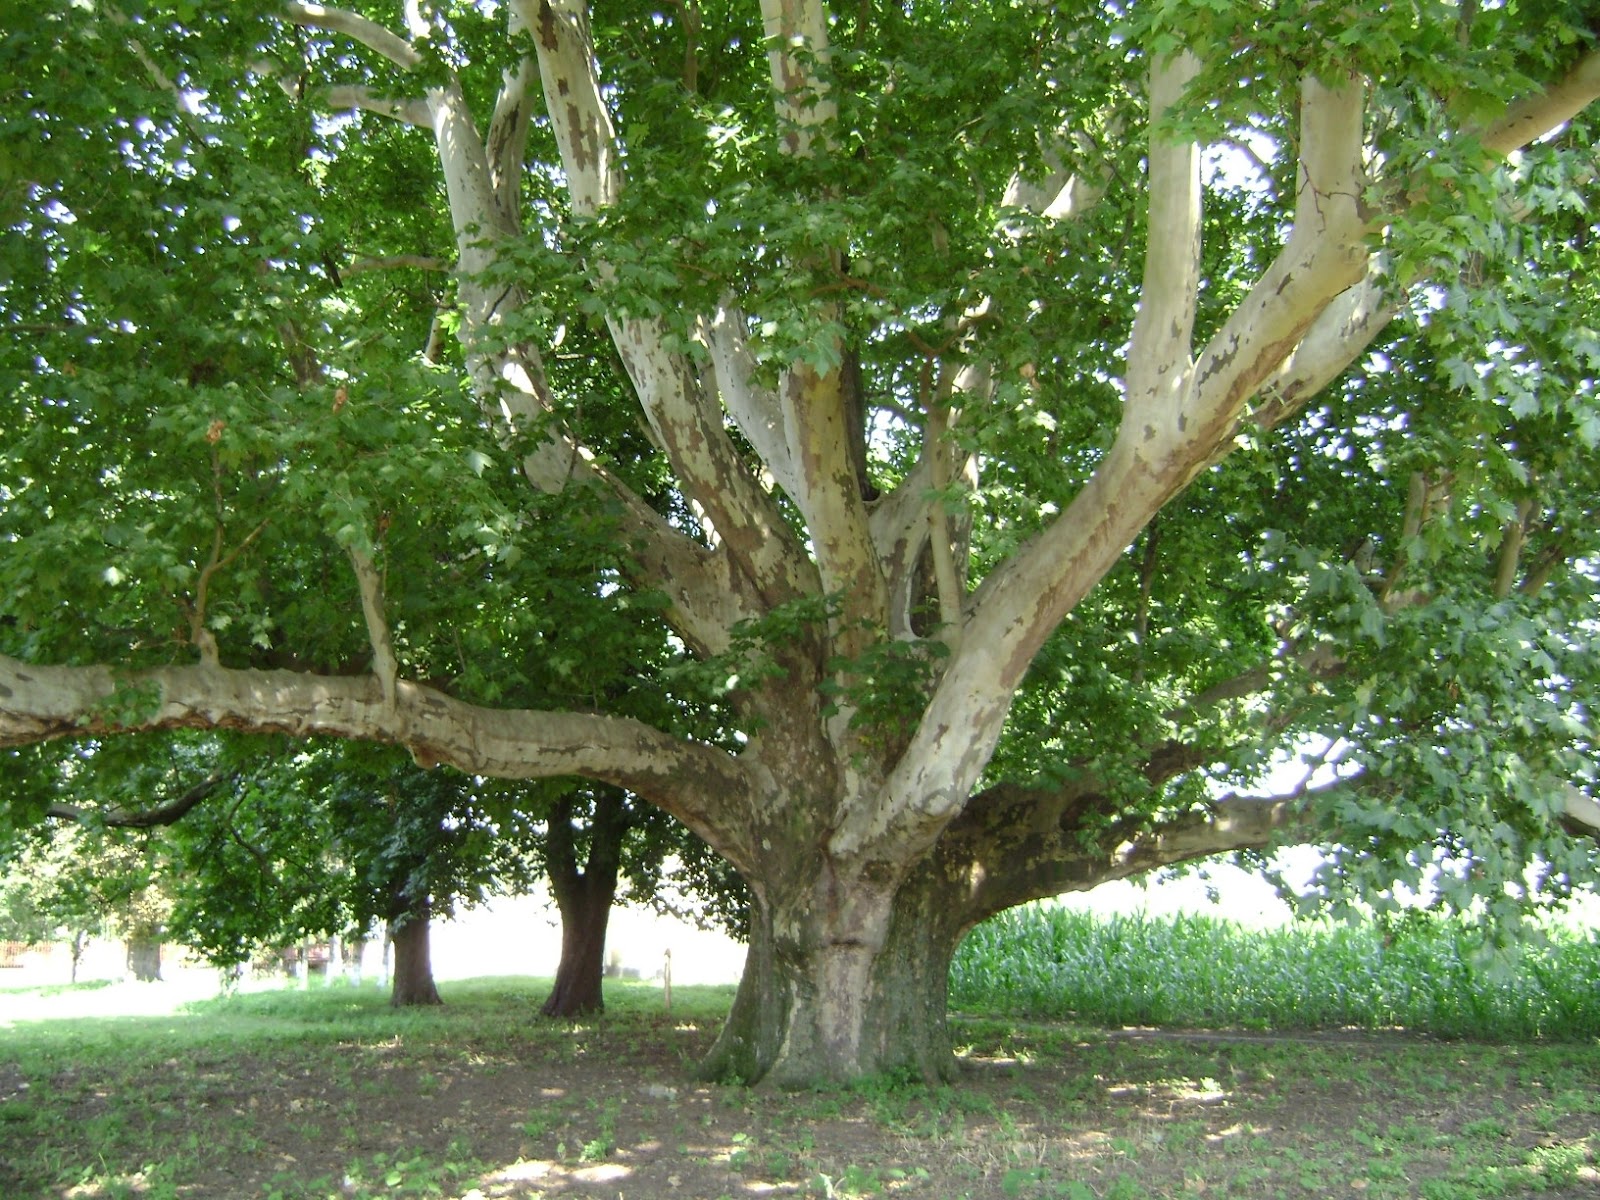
point(329, 1094)
point(1042, 962)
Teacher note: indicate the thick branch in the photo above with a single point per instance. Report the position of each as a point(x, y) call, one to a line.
point(1164, 440)
point(753, 409)
point(1532, 117)
point(685, 421)
point(1015, 843)
point(384, 665)
point(1159, 351)
point(396, 262)
point(1063, 194)
point(797, 52)
point(1335, 339)
point(700, 785)
point(584, 132)
point(1348, 326)
point(1580, 814)
point(353, 25)
point(507, 143)
point(345, 97)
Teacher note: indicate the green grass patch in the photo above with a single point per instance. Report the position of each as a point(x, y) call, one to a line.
point(330, 1094)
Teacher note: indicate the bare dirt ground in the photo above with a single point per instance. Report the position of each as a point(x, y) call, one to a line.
point(612, 1110)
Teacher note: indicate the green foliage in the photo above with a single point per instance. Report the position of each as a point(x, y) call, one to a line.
point(230, 363)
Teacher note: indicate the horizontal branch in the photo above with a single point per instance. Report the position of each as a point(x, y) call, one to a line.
point(1016, 843)
point(694, 782)
point(148, 818)
point(396, 262)
point(398, 108)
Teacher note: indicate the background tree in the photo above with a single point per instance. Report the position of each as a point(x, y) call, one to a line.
point(1033, 419)
point(602, 846)
point(46, 895)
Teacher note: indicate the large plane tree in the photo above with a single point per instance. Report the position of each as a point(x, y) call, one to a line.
point(1034, 417)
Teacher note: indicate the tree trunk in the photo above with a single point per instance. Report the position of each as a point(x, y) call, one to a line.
point(584, 898)
point(862, 993)
point(144, 958)
point(849, 977)
point(80, 941)
point(413, 964)
point(577, 990)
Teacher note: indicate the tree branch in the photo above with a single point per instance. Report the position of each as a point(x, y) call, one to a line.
point(796, 33)
point(369, 33)
point(1580, 815)
point(149, 818)
point(1532, 117)
point(1016, 843)
point(384, 665)
point(396, 262)
point(1347, 326)
point(686, 422)
point(699, 784)
point(753, 409)
point(507, 143)
point(1158, 353)
point(344, 97)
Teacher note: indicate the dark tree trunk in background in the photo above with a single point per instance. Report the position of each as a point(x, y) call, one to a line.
point(577, 989)
point(413, 962)
point(584, 899)
point(144, 958)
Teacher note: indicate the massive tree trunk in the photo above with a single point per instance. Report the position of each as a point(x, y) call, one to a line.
point(828, 995)
point(584, 899)
point(413, 963)
point(850, 977)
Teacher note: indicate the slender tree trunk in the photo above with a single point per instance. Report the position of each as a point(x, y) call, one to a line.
point(413, 964)
point(335, 969)
point(584, 899)
point(144, 958)
point(80, 940)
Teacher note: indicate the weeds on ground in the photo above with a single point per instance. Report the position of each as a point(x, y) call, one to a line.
point(331, 1093)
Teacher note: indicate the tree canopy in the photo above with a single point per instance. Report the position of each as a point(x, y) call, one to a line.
point(1017, 425)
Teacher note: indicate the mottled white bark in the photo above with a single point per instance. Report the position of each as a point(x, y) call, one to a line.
point(358, 28)
point(1536, 115)
point(1159, 350)
point(703, 786)
point(797, 57)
